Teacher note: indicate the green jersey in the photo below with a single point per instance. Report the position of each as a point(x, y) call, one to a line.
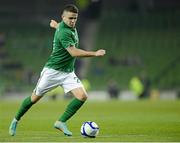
point(60, 59)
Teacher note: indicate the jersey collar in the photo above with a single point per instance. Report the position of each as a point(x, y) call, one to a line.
point(65, 25)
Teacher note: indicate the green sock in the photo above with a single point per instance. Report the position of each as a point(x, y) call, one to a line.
point(71, 109)
point(26, 104)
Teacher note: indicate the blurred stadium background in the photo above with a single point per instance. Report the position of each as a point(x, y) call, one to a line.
point(142, 39)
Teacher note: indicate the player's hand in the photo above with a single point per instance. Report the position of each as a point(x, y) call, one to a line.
point(53, 24)
point(100, 52)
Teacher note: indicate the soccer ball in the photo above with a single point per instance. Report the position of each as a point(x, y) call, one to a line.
point(89, 129)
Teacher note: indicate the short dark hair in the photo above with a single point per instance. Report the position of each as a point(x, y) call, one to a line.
point(71, 8)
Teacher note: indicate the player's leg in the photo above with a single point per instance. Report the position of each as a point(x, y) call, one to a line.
point(71, 84)
point(80, 97)
point(25, 106)
point(44, 84)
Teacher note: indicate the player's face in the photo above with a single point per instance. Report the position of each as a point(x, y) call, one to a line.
point(70, 18)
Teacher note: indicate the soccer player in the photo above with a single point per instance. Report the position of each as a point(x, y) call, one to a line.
point(59, 71)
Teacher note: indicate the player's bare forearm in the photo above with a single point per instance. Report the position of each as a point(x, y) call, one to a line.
point(74, 52)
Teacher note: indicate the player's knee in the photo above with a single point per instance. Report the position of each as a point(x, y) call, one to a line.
point(84, 97)
point(35, 98)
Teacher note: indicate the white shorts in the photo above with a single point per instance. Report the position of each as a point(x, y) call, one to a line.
point(50, 79)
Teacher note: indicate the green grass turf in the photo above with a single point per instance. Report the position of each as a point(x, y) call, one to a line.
point(125, 121)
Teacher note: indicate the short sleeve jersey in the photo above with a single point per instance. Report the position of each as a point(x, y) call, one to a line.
point(60, 59)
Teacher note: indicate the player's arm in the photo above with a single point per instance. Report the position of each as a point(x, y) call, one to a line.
point(53, 24)
point(74, 52)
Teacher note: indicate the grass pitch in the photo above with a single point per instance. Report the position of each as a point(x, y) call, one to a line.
point(125, 121)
